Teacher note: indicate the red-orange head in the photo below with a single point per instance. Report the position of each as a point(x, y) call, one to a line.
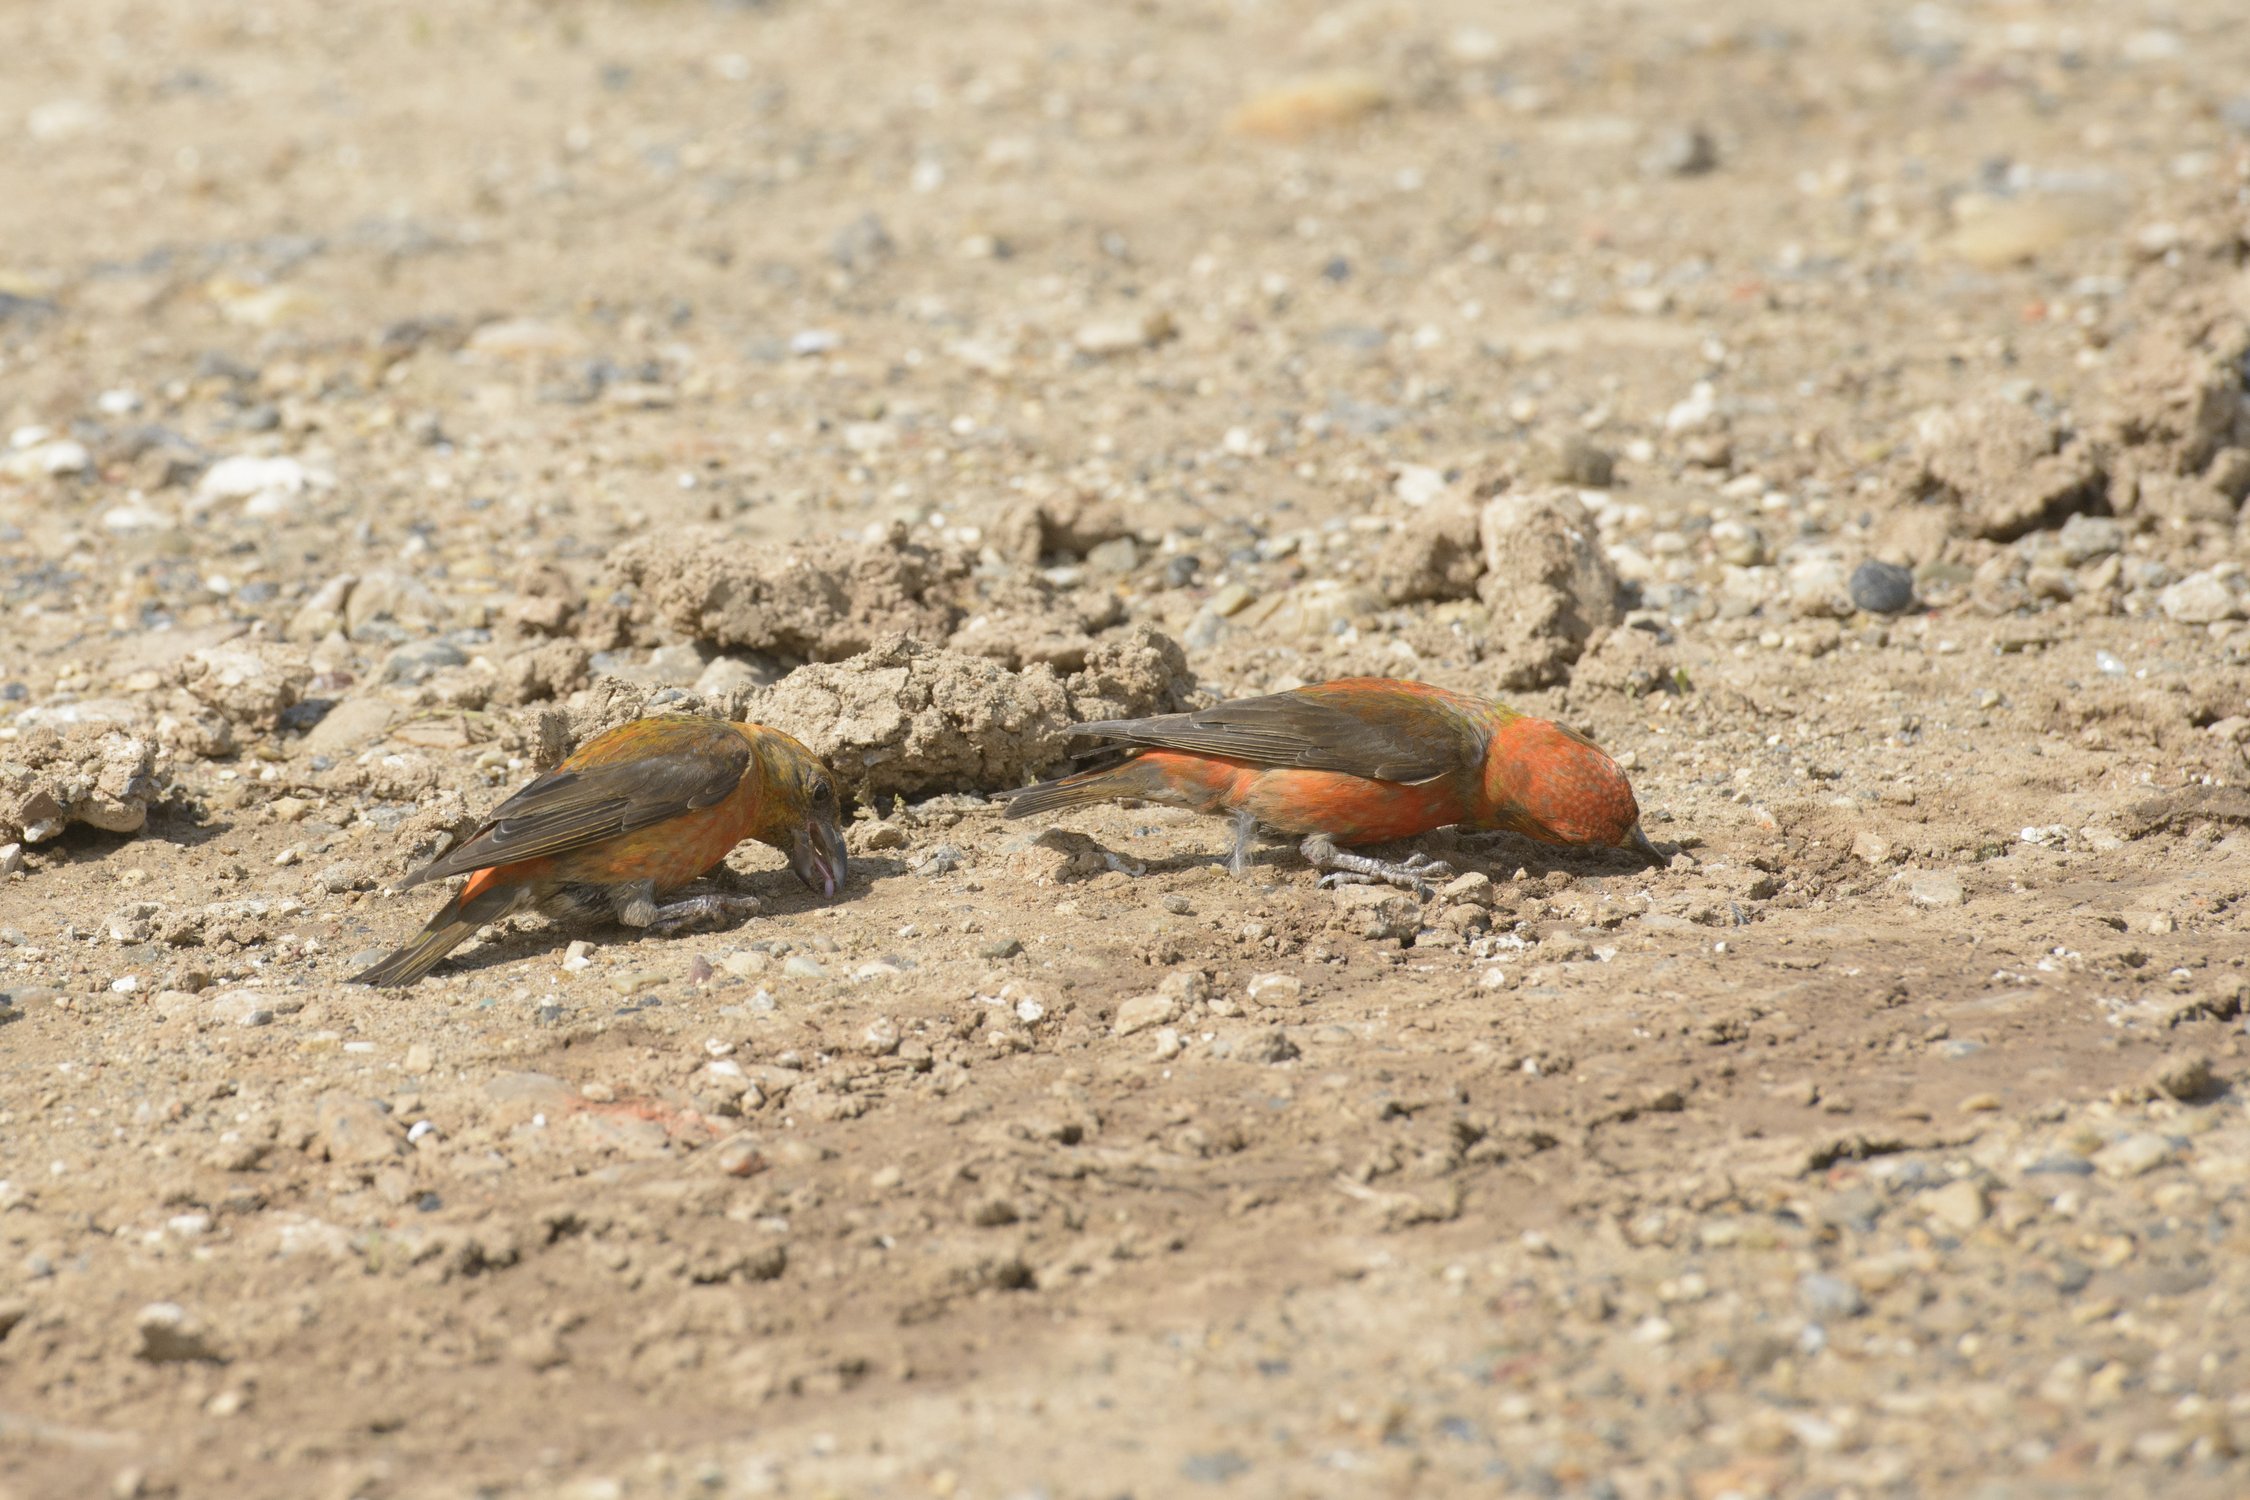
point(1548, 783)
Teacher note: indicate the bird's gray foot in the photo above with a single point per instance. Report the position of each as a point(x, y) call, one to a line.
point(1413, 873)
point(701, 914)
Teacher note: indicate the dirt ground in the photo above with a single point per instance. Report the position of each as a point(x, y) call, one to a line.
point(391, 395)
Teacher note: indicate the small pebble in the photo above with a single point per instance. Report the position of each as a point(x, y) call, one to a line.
point(241, 1008)
point(1143, 1011)
point(2134, 1156)
point(169, 1334)
point(740, 1157)
point(1829, 1297)
point(1581, 461)
point(1882, 588)
point(1275, 989)
point(1681, 151)
point(1935, 888)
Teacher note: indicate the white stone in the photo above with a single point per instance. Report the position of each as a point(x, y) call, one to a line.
point(1143, 1011)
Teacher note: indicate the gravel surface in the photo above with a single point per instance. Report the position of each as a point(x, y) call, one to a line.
point(1840, 413)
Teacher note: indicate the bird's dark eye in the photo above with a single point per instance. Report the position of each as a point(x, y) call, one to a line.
point(821, 790)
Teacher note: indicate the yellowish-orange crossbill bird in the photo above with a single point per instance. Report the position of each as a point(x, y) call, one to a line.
point(635, 813)
point(1362, 760)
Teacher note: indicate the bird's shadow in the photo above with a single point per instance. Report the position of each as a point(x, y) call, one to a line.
point(1496, 855)
point(779, 893)
point(1506, 851)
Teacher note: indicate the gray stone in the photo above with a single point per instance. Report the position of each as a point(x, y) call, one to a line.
point(1882, 588)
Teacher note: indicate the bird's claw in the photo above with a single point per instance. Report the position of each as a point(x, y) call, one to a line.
point(1413, 873)
point(702, 914)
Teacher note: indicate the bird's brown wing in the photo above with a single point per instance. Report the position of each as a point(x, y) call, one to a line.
point(1386, 731)
point(569, 809)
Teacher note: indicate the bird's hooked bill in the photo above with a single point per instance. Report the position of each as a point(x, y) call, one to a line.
point(1637, 841)
point(818, 857)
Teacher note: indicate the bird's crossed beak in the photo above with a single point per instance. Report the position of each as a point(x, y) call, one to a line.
point(818, 856)
point(1638, 843)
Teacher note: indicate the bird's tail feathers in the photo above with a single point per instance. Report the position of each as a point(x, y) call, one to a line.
point(1129, 778)
point(470, 908)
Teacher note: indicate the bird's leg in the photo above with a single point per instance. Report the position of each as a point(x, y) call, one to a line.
point(636, 903)
point(1414, 873)
point(1245, 839)
point(702, 914)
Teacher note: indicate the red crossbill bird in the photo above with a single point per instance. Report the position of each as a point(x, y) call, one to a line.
point(1363, 760)
point(635, 813)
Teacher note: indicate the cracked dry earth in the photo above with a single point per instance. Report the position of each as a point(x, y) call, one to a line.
point(1841, 413)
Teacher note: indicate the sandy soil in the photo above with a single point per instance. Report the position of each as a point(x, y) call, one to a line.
point(392, 395)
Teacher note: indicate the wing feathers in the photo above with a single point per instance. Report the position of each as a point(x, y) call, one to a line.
point(1381, 730)
point(570, 809)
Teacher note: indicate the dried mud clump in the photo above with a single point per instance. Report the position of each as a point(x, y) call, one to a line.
point(1547, 582)
point(248, 682)
point(1142, 671)
point(50, 779)
point(1629, 663)
point(2009, 469)
point(1058, 527)
point(1437, 556)
point(1027, 622)
point(911, 719)
point(2178, 421)
point(552, 669)
point(546, 602)
point(820, 602)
